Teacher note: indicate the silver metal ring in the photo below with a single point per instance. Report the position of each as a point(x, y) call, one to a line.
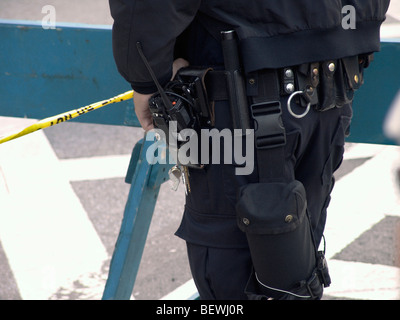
point(289, 107)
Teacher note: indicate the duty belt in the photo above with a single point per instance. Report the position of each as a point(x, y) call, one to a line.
point(324, 85)
point(307, 78)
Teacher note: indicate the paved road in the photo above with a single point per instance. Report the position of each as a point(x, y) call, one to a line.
point(62, 196)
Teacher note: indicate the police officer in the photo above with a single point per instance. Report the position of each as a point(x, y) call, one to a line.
point(306, 57)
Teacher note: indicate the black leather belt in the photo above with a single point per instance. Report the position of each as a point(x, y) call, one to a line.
point(217, 90)
point(308, 78)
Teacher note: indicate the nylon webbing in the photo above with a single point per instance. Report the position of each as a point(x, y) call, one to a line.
point(270, 135)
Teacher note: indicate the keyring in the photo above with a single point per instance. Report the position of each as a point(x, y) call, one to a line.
point(289, 107)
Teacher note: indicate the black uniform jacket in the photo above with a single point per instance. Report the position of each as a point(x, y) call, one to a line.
point(273, 34)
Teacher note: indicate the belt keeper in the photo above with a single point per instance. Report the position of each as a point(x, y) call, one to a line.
point(288, 81)
point(307, 78)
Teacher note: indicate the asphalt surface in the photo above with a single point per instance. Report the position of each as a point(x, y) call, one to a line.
point(363, 250)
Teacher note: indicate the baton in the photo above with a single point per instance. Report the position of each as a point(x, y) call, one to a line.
point(235, 82)
point(51, 121)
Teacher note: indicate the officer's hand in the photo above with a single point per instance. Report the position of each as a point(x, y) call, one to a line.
point(142, 110)
point(141, 101)
point(178, 63)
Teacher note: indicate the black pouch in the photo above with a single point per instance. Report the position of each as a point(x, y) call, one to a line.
point(194, 80)
point(327, 87)
point(274, 218)
point(339, 80)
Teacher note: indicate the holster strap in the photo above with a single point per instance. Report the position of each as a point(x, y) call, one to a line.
point(263, 89)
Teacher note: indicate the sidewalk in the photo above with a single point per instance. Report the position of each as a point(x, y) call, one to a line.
point(391, 27)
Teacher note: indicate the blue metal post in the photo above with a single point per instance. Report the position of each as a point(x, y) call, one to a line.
point(146, 179)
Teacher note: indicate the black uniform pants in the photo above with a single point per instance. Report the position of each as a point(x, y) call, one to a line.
point(217, 250)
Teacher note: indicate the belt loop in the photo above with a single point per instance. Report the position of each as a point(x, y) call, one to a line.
point(268, 88)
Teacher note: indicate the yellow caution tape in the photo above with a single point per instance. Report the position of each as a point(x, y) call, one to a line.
point(51, 121)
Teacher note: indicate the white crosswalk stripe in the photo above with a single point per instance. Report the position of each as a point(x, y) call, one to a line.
point(359, 201)
point(44, 230)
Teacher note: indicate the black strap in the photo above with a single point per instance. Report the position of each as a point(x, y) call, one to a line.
point(266, 111)
point(216, 85)
point(270, 134)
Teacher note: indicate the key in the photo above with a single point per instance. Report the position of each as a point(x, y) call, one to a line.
point(185, 178)
point(175, 174)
